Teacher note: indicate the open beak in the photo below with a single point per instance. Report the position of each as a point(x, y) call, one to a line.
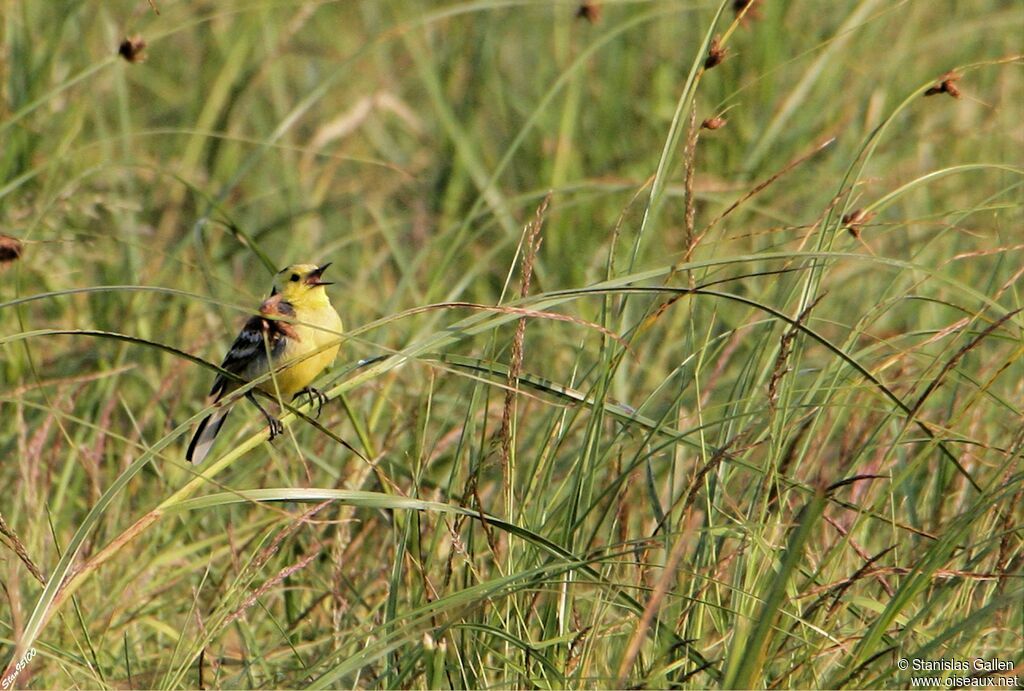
point(314, 278)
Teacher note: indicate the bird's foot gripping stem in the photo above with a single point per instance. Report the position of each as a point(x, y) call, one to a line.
point(276, 426)
point(315, 395)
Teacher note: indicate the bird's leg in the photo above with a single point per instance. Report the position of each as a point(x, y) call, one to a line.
point(322, 400)
point(276, 426)
point(314, 395)
point(307, 392)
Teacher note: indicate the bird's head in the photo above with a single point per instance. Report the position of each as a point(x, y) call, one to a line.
point(302, 284)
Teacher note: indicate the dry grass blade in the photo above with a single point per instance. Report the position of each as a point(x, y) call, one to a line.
point(690, 160)
point(665, 581)
point(952, 362)
point(761, 186)
point(16, 545)
point(270, 584)
point(861, 552)
point(785, 346)
point(270, 550)
point(525, 312)
point(531, 244)
point(686, 499)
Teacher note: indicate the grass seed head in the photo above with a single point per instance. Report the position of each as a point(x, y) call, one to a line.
point(747, 10)
point(946, 85)
point(10, 250)
point(133, 49)
point(716, 54)
point(855, 219)
point(589, 10)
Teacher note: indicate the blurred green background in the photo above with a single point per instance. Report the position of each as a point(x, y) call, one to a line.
point(788, 458)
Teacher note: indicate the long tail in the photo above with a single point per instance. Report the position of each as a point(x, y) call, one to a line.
point(205, 434)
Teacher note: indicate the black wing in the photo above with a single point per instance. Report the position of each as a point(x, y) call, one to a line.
point(247, 356)
point(247, 352)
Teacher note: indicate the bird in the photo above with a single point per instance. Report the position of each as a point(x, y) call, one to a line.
point(295, 334)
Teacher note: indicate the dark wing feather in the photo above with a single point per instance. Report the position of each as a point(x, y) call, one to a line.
point(248, 354)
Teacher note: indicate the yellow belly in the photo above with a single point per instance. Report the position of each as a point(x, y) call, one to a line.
point(293, 378)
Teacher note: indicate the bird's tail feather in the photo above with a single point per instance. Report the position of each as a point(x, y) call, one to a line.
point(208, 429)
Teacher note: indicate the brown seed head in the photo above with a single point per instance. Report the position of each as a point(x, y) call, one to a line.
point(748, 9)
point(133, 49)
point(946, 85)
point(589, 10)
point(10, 249)
point(855, 219)
point(716, 53)
point(713, 123)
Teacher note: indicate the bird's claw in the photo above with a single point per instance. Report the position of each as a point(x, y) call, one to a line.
point(315, 395)
point(276, 428)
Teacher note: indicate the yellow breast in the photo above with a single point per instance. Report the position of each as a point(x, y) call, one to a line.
point(323, 340)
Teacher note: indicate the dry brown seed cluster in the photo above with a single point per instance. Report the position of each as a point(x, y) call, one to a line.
point(133, 49)
point(10, 250)
point(589, 10)
point(748, 8)
point(716, 54)
point(855, 219)
point(946, 85)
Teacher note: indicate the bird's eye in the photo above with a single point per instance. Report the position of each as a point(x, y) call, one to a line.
point(294, 277)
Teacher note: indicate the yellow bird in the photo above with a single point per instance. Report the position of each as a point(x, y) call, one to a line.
point(296, 327)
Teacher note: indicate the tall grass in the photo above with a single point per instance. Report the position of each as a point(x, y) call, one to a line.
point(623, 401)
